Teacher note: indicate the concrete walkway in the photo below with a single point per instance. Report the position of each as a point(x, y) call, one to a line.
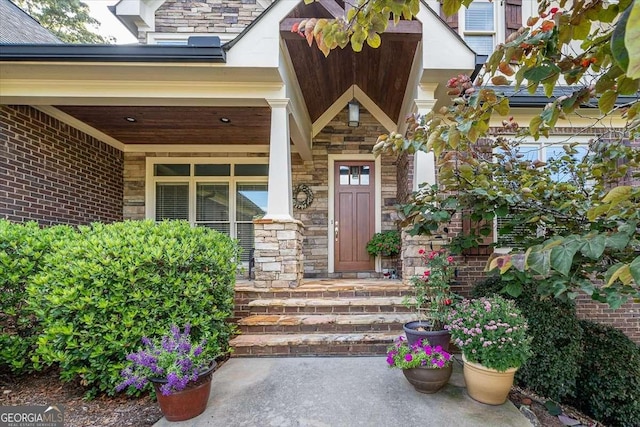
point(341, 392)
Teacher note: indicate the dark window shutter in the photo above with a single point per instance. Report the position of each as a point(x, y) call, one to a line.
point(513, 16)
point(452, 20)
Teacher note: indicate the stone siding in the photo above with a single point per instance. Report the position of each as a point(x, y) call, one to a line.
point(53, 173)
point(278, 253)
point(204, 16)
point(338, 138)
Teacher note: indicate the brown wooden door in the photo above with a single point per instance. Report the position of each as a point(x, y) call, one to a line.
point(354, 221)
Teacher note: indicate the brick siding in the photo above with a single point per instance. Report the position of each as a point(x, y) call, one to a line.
point(55, 174)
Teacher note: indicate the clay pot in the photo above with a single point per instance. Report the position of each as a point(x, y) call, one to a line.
point(427, 379)
point(441, 337)
point(487, 385)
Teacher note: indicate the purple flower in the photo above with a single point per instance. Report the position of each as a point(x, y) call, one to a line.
point(390, 359)
point(408, 358)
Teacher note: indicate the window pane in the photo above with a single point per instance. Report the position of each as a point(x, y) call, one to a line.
point(479, 17)
point(344, 175)
point(252, 170)
point(212, 170)
point(482, 45)
point(212, 202)
point(171, 170)
point(364, 175)
point(172, 201)
point(245, 239)
point(251, 201)
point(355, 175)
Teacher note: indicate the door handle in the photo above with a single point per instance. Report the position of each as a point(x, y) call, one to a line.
point(335, 231)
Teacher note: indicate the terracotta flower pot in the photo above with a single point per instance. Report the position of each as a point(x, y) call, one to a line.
point(427, 379)
point(441, 337)
point(187, 403)
point(487, 385)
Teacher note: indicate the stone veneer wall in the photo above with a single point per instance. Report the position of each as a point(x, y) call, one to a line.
point(278, 253)
point(204, 16)
point(53, 173)
point(338, 138)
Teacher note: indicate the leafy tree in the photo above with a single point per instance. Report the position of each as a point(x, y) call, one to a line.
point(69, 20)
point(575, 229)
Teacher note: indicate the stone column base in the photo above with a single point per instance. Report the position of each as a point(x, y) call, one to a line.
point(412, 262)
point(279, 261)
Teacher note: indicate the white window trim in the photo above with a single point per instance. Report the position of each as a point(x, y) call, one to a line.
point(151, 180)
point(499, 22)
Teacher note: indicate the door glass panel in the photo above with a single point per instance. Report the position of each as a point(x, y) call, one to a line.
point(172, 201)
point(344, 175)
point(364, 175)
point(355, 175)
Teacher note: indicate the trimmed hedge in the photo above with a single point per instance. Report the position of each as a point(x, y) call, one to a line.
point(22, 247)
point(117, 283)
point(608, 386)
point(552, 369)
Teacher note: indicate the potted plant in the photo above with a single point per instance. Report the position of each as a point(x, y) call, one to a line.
point(386, 243)
point(428, 368)
point(432, 298)
point(492, 334)
point(179, 371)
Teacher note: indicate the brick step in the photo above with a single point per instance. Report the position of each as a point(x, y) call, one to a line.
point(272, 324)
point(326, 289)
point(356, 344)
point(328, 305)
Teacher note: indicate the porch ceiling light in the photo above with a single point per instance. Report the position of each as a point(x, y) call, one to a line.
point(131, 119)
point(225, 119)
point(354, 114)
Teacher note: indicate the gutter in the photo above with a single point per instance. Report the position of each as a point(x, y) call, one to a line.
point(212, 52)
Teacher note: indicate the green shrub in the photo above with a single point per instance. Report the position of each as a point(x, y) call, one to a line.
point(609, 378)
point(553, 368)
point(21, 249)
point(123, 281)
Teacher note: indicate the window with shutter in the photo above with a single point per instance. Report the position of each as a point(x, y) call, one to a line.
point(223, 196)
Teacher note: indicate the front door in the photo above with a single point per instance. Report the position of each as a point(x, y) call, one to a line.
point(354, 221)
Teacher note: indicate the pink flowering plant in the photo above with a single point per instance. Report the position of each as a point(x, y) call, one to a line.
point(404, 356)
point(174, 359)
point(491, 332)
point(433, 297)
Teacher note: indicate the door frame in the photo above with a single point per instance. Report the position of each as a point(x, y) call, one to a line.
point(377, 201)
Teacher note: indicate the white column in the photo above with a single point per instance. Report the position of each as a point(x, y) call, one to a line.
point(279, 202)
point(424, 163)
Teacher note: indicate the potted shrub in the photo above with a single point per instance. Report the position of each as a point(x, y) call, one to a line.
point(386, 243)
point(428, 368)
point(492, 334)
point(432, 298)
point(179, 371)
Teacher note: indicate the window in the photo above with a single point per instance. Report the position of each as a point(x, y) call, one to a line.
point(545, 153)
point(479, 29)
point(223, 196)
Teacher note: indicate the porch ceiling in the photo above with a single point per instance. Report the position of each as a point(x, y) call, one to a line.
point(382, 73)
point(177, 125)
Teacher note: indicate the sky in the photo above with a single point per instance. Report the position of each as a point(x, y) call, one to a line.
point(110, 26)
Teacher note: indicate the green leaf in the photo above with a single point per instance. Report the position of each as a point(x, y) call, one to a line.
point(607, 101)
point(538, 260)
point(627, 86)
point(594, 247)
point(553, 408)
point(617, 241)
point(374, 40)
point(534, 125)
point(618, 194)
point(562, 256)
point(450, 7)
point(541, 72)
point(632, 39)
point(634, 269)
point(502, 107)
point(514, 289)
point(618, 49)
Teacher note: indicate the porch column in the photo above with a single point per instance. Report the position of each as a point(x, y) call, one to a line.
point(278, 236)
point(424, 171)
point(279, 201)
